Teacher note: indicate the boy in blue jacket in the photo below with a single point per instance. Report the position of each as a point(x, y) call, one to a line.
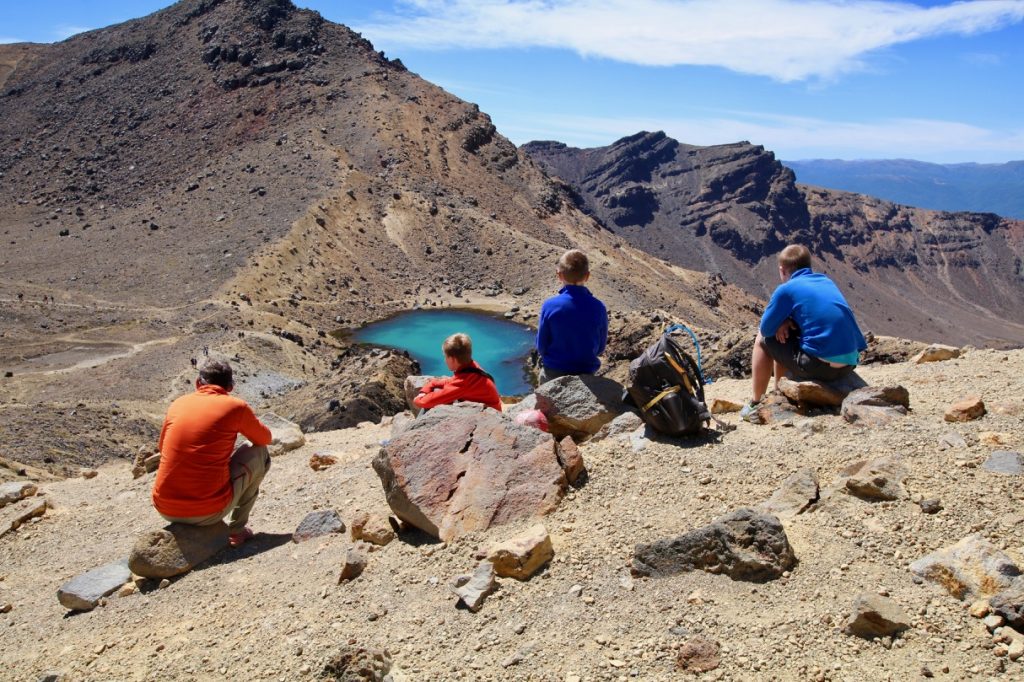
point(573, 326)
point(807, 330)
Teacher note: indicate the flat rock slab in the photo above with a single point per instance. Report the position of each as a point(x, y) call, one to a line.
point(970, 569)
point(798, 492)
point(876, 616)
point(317, 524)
point(287, 435)
point(523, 555)
point(16, 491)
point(816, 393)
point(176, 549)
point(744, 545)
point(876, 405)
point(14, 515)
point(472, 589)
point(1005, 462)
point(579, 406)
point(462, 468)
point(83, 592)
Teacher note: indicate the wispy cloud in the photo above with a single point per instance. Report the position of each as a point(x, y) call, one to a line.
point(788, 40)
point(983, 59)
point(65, 31)
point(790, 137)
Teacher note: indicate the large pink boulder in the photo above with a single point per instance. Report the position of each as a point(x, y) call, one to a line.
point(463, 468)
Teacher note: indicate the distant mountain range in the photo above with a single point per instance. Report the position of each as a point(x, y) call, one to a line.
point(728, 210)
point(981, 187)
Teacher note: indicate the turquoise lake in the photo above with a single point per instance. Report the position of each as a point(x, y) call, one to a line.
point(499, 346)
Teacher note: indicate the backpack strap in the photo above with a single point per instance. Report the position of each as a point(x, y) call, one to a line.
point(473, 370)
point(658, 398)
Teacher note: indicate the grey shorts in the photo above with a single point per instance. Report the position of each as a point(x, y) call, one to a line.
point(798, 363)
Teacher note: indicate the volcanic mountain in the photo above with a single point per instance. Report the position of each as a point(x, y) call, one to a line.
point(728, 209)
point(241, 177)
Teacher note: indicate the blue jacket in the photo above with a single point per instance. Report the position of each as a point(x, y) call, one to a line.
point(828, 329)
point(572, 331)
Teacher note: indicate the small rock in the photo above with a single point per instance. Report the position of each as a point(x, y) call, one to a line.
point(966, 410)
point(698, 655)
point(472, 589)
point(356, 664)
point(164, 584)
point(576, 591)
point(372, 528)
point(88, 473)
point(993, 621)
point(320, 461)
point(176, 549)
point(127, 590)
point(936, 353)
point(624, 424)
point(876, 405)
point(794, 496)
point(952, 441)
point(930, 506)
point(6, 607)
point(1005, 462)
point(971, 568)
point(994, 438)
point(15, 491)
point(877, 480)
point(83, 593)
point(14, 515)
point(1010, 604)
point(286, 435)
point(353, 565)
point(722, 406)
point(570, 459)
point(523, 555)
point(1016, 649)
point(876, 616)
point(317, 524)
point(980, 608)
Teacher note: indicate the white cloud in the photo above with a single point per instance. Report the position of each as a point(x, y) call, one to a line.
point(7, 39)
point(784, 39)
point(790, 137)
point(65, 31)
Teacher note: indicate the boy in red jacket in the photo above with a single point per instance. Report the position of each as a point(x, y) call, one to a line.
point(468, 381)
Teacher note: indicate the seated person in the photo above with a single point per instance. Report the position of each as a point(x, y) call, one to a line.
point(573, 327)
point(468, 382)
point(807, 330)
point(202, 476)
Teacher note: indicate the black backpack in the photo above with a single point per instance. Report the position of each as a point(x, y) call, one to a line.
point(668, 387)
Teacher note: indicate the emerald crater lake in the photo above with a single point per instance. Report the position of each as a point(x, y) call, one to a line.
point(500, 347)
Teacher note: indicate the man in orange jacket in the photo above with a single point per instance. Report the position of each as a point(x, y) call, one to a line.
point(468, 381)
point(202, 476)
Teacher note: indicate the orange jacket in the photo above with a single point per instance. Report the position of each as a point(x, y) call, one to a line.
point(196, 444)
point(466, 384)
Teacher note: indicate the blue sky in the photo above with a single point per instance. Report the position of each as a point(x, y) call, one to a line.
point(936, 81)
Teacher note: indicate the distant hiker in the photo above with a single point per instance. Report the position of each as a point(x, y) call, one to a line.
point(573, 327)
point(194, 362)
point(202, 476)
point(468, 382)
point(807, 330)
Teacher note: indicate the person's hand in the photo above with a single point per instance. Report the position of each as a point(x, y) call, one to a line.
point(782, 333)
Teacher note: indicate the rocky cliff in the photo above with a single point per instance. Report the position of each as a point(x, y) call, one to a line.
point(729, 209)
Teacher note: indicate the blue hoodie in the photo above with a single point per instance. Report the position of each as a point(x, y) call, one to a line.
point(828, 329)
point(572, 331)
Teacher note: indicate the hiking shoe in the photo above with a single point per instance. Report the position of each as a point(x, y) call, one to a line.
point(749, 410)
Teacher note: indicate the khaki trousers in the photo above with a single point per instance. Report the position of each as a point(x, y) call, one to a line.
point(249, 464)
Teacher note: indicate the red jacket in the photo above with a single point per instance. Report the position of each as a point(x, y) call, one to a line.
point(196, 444)
point(466, 384)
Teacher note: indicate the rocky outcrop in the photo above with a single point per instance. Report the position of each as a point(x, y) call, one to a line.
point(744, 545)
point(461, 468)
point(579, 406)
point(969, 569)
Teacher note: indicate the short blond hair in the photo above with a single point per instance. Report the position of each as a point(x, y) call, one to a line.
point(459, 347)
point(794, 257)
point(574, 266)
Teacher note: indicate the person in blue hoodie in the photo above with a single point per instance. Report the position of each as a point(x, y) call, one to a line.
point(573, 327)
point(808, 329)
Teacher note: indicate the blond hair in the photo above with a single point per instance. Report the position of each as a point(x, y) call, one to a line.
point(794, 257)
point(459, 347)
point(573, 266)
